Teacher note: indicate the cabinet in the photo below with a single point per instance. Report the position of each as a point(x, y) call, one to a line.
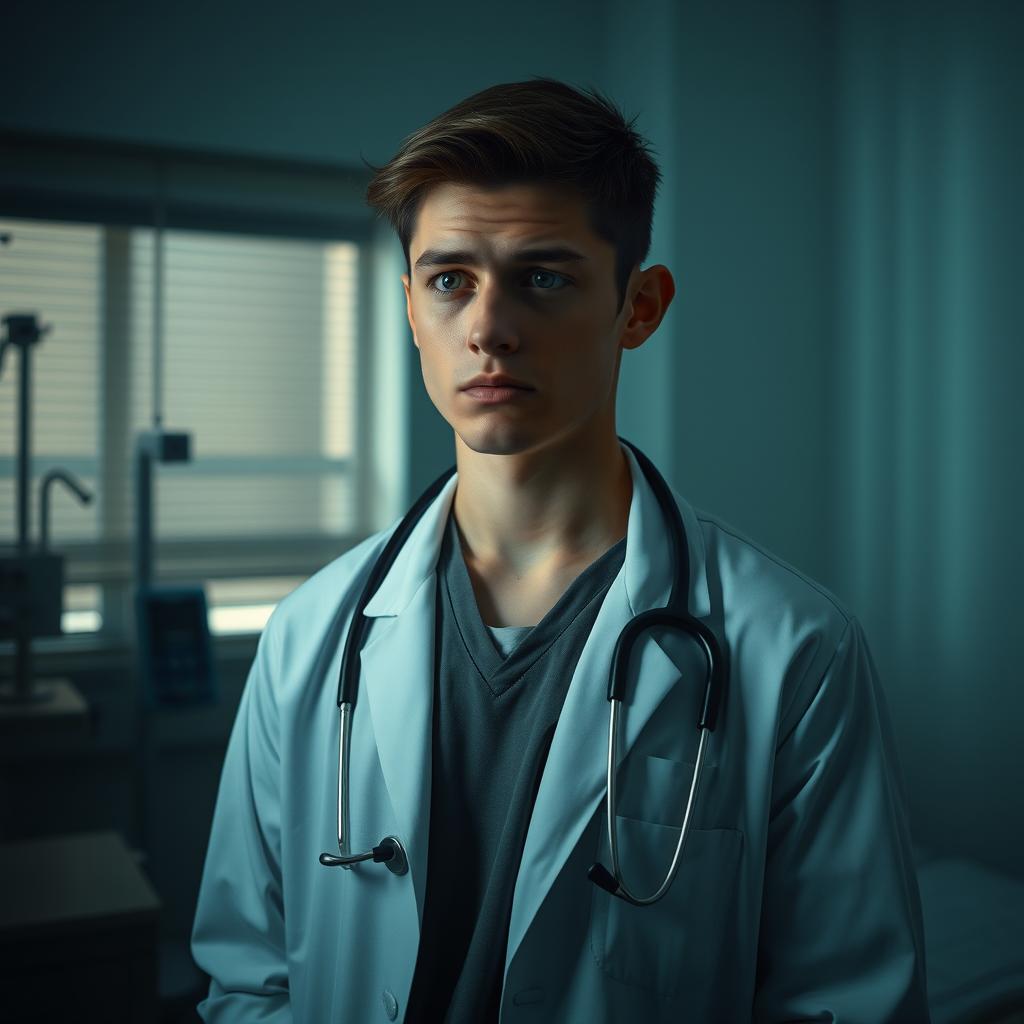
point(78, 932)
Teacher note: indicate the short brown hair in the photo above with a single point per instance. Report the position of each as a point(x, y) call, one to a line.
point(540, 131)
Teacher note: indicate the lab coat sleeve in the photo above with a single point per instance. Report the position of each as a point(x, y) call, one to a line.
point(841, 936)
point(238, 936)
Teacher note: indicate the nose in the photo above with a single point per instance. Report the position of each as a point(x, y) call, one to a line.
point(493, 328)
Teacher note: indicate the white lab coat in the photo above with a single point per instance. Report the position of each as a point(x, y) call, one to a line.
point(796, 898)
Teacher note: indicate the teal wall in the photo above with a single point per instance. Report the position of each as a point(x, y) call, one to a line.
point(839, 376)
point(842, 213)
point(738, 97)
point(929, 344)
point(321, 81)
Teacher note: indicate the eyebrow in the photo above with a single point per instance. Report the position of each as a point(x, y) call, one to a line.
point(556, 254)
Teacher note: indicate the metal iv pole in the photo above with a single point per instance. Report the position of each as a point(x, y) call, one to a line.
point(31, 580)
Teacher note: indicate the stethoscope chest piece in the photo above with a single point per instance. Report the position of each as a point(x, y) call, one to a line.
point(389, 851)
point(397, 863)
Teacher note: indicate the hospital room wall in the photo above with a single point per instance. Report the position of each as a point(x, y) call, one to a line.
point(838, 376)
point(728, 393)
point(929, 475)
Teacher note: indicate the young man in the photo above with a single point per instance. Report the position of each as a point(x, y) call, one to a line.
point(479, 731)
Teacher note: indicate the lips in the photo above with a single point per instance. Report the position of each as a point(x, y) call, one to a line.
point(496, 380)
point(495, 395)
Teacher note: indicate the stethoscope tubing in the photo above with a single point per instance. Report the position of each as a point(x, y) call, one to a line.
point(389, 850)
point(616, 876)
point(674, 615)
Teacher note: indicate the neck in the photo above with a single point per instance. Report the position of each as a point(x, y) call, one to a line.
point(543, 509)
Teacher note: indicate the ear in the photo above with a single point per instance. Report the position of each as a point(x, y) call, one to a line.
point(652, 294)
point(408, 309)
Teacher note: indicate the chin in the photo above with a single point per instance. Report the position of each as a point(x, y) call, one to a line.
point(507, 439)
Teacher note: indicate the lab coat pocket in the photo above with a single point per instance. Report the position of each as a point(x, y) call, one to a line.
point(680, 944)
point(655, 788)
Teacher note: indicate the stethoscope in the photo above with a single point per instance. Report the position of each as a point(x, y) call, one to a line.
point(675, 614)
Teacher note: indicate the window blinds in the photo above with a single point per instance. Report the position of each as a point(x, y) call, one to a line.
point(260, 360)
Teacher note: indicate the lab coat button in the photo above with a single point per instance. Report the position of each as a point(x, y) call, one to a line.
point(527, 996)
point(390, 1004)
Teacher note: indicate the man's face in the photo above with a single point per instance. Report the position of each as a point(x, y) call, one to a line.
point(547, 321)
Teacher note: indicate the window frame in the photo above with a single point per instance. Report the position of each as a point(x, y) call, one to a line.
point(64, 180)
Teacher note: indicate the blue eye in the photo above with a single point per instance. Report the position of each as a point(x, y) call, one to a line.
point(447, 273)
point(549, 275)
point(546, 273)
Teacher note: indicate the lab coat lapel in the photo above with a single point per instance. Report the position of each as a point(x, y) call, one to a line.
point(573, 783)
point(397, 679)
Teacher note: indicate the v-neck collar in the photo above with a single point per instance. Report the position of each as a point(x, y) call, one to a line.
point(496, 670)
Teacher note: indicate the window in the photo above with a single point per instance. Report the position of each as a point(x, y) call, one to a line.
point(257, 360)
